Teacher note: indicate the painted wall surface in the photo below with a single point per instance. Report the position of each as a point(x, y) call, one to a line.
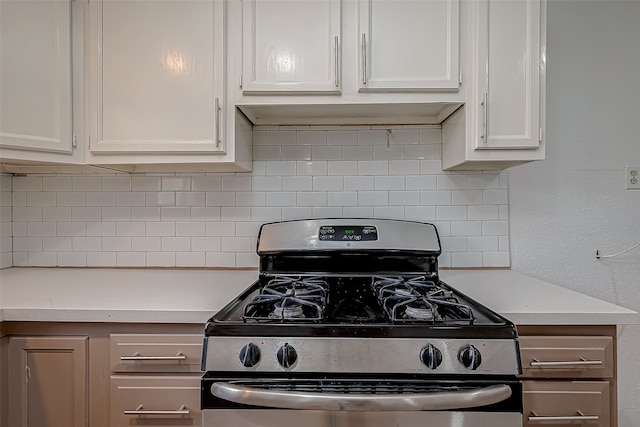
point(6, 183)
point(212, 220)
point(565, 207)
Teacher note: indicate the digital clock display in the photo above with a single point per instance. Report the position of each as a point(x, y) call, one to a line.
point(342, 233)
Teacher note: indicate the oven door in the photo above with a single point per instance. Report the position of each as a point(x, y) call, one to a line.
point(361, 402)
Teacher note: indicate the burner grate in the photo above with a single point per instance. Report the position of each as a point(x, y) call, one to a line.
point(286, 298)
point(419, 300)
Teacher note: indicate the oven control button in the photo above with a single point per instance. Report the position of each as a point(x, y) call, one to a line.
point(431, 356)
point(249, 355)
point(470, 357)
point(287, 356)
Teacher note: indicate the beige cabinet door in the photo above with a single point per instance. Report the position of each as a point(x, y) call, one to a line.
point(48, 381)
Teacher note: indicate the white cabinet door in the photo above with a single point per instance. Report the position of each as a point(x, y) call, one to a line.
point(510, 67)
point(157, 76)
point(35, 76)
point(291, 46)
point(409, 45)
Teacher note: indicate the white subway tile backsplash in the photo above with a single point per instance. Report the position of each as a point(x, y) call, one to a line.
point(56, 213)
point(116, 244)
point(211, 220)
point(342, 137)
point(56, 183)
point(190, 198)
point(86, 183)
point(420, 213)
point(160, 229)
point(294, 152)
point(358, 152)
point(100, 198)
point(389, 183)
point(117, 213)
point(373, 167)
point(311, 137)
point(161, 259)
point(37, 198)
point(314, 167)
point(176, 244)
point(146, 244)
point(131, 259)
point(451, 213)
point(146, 183)
point(329, 152)
point(328, 183)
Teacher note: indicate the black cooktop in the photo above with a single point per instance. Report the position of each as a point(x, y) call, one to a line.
point(389, 305)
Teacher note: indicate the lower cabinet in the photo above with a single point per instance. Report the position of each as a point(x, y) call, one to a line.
point(569, 376)
point(167, 401)
point(48, 379)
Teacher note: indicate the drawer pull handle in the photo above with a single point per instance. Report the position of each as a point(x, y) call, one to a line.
point(140, 411)
point(581, 362)
point(580, 417)
point(136, 356)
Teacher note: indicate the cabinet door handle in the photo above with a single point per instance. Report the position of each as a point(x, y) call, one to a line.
point(140, 411)
point(217, 123)
point(364, 59)
point(580, 417)
point(138, 357)
point(582, 362)
point(485, 114)
point(337, 67)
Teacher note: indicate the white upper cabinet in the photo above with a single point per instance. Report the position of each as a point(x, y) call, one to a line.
point(502, 122)
point(37, 54)
point(509, 63)
point(291, 46)
point(409, 45)
point(157, 78)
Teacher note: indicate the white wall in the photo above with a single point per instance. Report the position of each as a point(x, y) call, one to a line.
point(565, 207)
point(298, 172)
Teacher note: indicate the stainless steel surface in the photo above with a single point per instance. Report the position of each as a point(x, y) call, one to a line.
point(140, 411)
point(217, 121)
point(364, 59)
point(374, 355)
point(280, 418)
point(178, 356)
point(337, 61)
point(580, 417)
point(441, 400)
point(392, 235)
point(485, 109)
point(581, 362)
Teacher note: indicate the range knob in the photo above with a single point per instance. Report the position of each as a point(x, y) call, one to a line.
point(249, 355)
point(431, 356)
point(287, 356)
point(470, 357)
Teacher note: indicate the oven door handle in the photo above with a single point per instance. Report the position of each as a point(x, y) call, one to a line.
point(361, 402)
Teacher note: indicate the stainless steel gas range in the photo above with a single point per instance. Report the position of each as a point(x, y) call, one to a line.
point(349, 325)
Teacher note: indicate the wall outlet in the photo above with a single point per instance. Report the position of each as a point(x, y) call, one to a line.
point(632, 177)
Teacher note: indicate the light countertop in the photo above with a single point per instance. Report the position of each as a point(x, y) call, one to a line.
point(192, 296)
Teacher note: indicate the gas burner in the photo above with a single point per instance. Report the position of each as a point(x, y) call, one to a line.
point(289, 298)
point(287, 309)
point(418, 299)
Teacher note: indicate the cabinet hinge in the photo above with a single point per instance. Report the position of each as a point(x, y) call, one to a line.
point(74, 140)
point(460, 77)
point(540, 135)
point(240, 81)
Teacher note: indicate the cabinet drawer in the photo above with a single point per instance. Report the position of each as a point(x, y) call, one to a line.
point(168, 401)
point(562, 403)
point(567, 357)
point(156, 352)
